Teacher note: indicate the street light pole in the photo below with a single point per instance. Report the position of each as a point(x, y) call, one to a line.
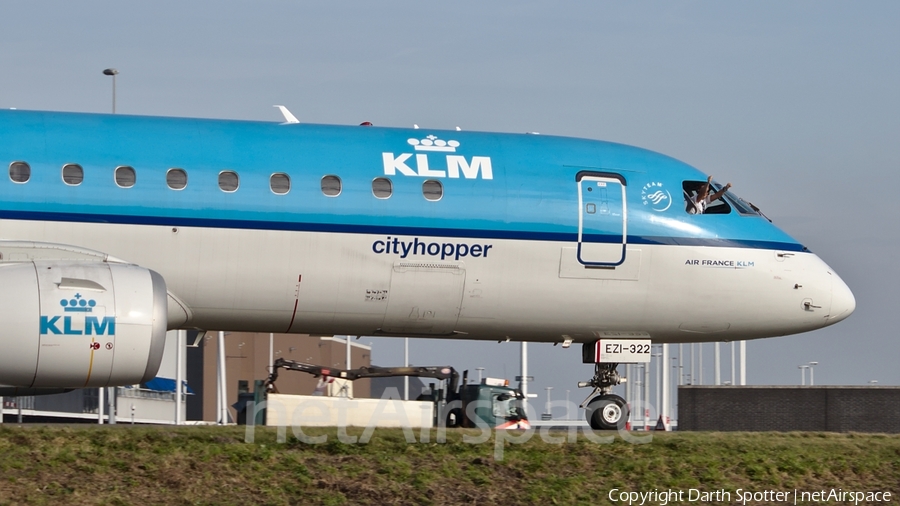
point(692, 365)
point(665, 383)
point(743, 363)
point(180, 336)
point(629, 379)
point(222, 380)
point(673, 390)
point(811, 366)
point(700, 363)
point(646, 398)
point(636, 394)
point(406, 364)
point(657, 356)
point(718, 361)
point(523, 370)
point(549, 411)
point(732, 364)
point(113, 73)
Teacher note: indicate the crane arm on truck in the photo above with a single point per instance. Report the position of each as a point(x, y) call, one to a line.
point(437, 372)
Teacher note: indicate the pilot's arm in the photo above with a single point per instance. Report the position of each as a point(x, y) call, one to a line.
point(719, 193)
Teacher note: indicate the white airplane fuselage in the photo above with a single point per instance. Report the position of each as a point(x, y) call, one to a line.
point(373, 231)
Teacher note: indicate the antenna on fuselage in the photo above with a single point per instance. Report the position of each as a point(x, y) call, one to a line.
point(288, 117)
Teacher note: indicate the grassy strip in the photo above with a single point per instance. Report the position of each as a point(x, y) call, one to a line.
point(213, 465)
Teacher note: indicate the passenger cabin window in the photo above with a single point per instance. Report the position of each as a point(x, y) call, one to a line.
point(228, 181)
point(176, 179)
point(331, 186)
point(280, 183)
point(125, 176)
point(382, 187)
point(432, 190)
point(692, 189)
point(19, 172)
point(72, 174)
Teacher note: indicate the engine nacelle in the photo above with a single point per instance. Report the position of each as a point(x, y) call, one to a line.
point(75, 325)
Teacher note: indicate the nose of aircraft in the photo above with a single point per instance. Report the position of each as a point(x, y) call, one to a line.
point(842, 300)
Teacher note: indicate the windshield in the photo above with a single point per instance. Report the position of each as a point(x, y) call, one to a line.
point(505, 408)
point(740, 204)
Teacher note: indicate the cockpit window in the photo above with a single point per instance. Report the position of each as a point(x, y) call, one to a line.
point(742, 206)
point(691, 206)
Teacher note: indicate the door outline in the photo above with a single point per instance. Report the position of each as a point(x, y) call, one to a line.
point(600, 177)
point(425, 298)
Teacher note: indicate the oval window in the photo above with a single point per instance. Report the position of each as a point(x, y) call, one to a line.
point(280, 183)
point(72, 174)
point(125, 176)
point(228, 181)
point(432, 190)
point(19, 172)
point(331, 186)
point(382, 187)
point(176, 179)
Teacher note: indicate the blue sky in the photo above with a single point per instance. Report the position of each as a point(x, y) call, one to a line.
point(795, 103)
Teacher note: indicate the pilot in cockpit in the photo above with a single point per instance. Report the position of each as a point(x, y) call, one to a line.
point(699, 202)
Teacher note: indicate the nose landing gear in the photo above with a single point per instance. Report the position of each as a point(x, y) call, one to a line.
point(605, 411)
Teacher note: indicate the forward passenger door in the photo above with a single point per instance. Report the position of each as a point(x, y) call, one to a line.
point(602, 218)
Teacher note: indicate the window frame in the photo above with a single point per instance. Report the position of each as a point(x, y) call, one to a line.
point(340, 185)
point(690, 188)
point(179, 169)
point(116, 175)
point(439, 185)
point(289, 183)
point(26, 164)
point(236, 175)
point(390, 187)
point(62, 174)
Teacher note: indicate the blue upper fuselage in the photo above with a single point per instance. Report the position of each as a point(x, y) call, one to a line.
point(506, 185)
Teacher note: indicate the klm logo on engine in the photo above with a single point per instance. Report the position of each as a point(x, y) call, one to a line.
point(79, 323)
point(418, 164)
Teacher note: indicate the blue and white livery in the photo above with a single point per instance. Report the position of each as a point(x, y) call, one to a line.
point(267, 227)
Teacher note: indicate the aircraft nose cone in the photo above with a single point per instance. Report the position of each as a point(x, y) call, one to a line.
point(842, 300)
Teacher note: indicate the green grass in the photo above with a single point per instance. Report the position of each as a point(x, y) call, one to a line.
point(213, 465)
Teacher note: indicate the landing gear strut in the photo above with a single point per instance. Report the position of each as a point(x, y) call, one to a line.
point(605, 411)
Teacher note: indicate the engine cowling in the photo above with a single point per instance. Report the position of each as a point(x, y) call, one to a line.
point(75, 325)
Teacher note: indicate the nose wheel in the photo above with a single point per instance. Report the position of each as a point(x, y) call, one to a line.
point(607, 412)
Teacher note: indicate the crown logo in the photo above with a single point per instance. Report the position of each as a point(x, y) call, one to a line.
point(432, 143)
point(77, 304)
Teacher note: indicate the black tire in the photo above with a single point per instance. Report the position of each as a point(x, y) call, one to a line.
point(607, 412)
